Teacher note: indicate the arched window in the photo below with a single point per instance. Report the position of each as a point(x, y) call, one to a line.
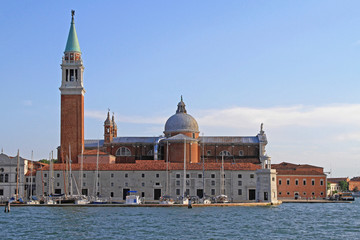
point(6, 177)
point(150, 153)
point(123, 151)
point(224, 153)
point(1, 177)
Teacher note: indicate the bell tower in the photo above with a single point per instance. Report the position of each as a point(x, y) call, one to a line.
point(72, 98)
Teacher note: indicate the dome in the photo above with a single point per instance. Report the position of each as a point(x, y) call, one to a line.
point(181, 121)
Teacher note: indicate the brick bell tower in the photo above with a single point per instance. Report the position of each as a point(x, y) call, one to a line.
point(72, 98)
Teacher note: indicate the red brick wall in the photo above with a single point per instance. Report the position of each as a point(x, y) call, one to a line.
point(283, 188)
point(353, 184)
point(176, 152)
point(72, 126)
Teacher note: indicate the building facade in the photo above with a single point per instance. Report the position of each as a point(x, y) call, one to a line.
point(300, 181)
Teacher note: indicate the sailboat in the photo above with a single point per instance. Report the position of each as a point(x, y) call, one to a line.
point(184, 199)
point(167, 199)
point(31, 199)
point(96, 199)
point(222, 198)
point(49, 200)
point(81, 200)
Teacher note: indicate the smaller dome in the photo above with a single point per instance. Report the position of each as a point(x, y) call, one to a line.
point(181, 121)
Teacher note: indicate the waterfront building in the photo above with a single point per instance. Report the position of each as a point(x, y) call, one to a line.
point(300, 181)
point(233, 165)
point(354, 184)
point(334, 185)
point(12, 171)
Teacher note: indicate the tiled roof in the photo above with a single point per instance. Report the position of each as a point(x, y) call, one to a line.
point(337, 180)
point(160, 165)
point(285, 168)
point(355, 179)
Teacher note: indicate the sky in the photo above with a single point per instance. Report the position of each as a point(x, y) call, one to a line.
point(292, 65)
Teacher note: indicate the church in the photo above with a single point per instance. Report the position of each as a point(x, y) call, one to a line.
point(179, 162)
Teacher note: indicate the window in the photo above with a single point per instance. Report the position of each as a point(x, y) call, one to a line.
point(126, 175)
point(212, 183)
point(288, 193)
point(313, 182)
point(112, 175)
point(187, 175)
point(321, 193)
point(266, 197)
point(296, 182)
point(142, 194)
point(45, 175)
point(199, 175)
point(45, 184)
point(178, 175)
point(224, 153)
point(279, 193)
point(150, 153)
point(239, 183)
point(143, 175)
point(239, 191)
point(157, 184)
point(208, 152)
point(112, 184)
point(27, 180)
point(84, 175)
point(112, 194)
point(273, 179)
point(1, 177)
point(304, 193)
point(157, 175)
point(1, 192)
point(321, 182)
point(177, 191)
point(1, 169)
point(213, 175)
point(212, 191)
point(279, 181)
point(251, 175)
point(123, 151)
point(6, 177)
point(84, 184)
point(287, 181)
point(241, 153)
point(304, 182)
point(126, 184)
point(193, 135)
point(239, 176)
point(58, 175)
point(58, 184)
point(178, 183)
point(313, 193)
point(143, 184)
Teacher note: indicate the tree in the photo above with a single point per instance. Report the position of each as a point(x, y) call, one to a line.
point(47, 161)
point(356, 189)
point(344, 186)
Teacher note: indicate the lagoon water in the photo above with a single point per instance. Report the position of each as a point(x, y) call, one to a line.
point(287, 221)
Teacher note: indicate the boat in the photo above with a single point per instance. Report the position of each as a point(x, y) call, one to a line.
point(32, 199)
point(133, 198)
point(355, 194)
point(222, 199)
point(97, 199)
point(166, 200)
point(347, 196)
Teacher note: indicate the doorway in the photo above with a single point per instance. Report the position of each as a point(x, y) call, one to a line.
point(125, 193)
point(84, 192)
point(200, 193)
point(251, 194)
point(157, 194)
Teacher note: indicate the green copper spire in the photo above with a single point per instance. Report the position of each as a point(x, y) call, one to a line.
point(72, 44)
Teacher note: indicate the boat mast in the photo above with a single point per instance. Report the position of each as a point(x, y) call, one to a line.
point(31, 187)
point(203, 165)
point(184, 180)
point(81, 170)
point(49, 177)
point(52, 172)
point(222, 190)
point(17, 175)
point(167, 169)
point(97, 173)
point(70, 180)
